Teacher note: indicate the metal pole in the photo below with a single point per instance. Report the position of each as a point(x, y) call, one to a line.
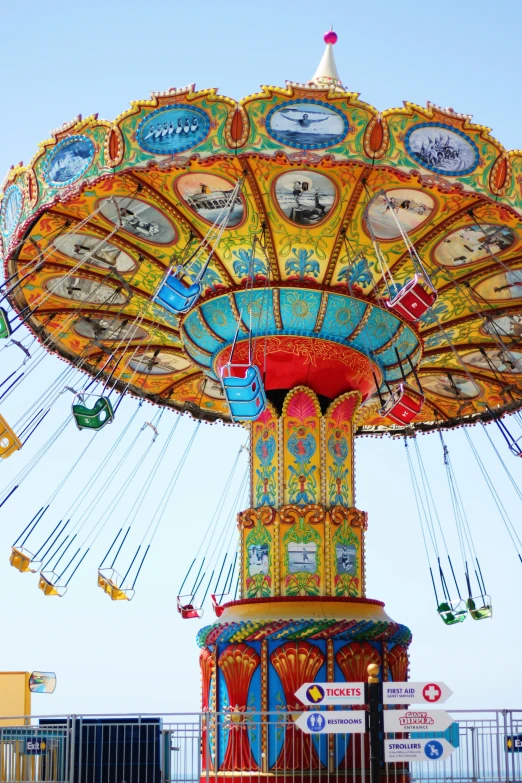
point(374, 721)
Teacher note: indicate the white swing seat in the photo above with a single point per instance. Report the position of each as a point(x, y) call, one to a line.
point(403, 405)
point(187, 609)
point(110, 582)
point(413, 300)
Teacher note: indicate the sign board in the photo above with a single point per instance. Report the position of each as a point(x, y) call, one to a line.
point(338, 722)
point(514, 743)
point(331, 693)
point(416, 720)
point(35, 746)
point(417, 750)
point(415, 692)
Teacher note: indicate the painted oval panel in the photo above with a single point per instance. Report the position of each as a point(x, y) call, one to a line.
point(451, 386)
point(502, 286)
point(471, 244)
point(95, 251)
point(10, 210)
point(412, 208)
point(164, 363)
point(81, 289)
point(505, 326)
point(68, 161)
point(442, 149)
point(307, 125)
point(212, 389)
point(207, 195)
point(113, 329)
point(305, 197)
point(502, 360)
point(140, 219)
point(173, 129)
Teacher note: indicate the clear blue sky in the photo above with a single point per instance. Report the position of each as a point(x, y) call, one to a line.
point(60, 59)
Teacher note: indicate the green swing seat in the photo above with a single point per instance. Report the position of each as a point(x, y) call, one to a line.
point(94, 418)
point(452, 612)
point(482, 612)
point(5, 326)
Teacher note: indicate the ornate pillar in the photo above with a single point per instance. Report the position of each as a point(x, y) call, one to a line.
point(303, 613)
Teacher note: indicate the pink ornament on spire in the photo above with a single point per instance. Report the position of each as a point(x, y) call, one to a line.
point(330, 37)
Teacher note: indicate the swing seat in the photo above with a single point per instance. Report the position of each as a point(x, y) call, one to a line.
point(413, 300)
point(49, 584)
point(5, 326)
point(218, 603)
point(23, 561)
point(484, 609)
point(187, 610)
point(515, 449)
point(8, 440)
point(403, 404)
point(244, 391)
point(452, 612)
point(94, 418)
point(176, 296)
point(110, 582)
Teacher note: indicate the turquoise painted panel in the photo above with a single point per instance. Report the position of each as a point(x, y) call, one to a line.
point(299, 309)
point(342, 316)
point(198, 334)
point(259, 302)
point(406, 345)
point(198, 357)
point(378, 330)
point(220, 317)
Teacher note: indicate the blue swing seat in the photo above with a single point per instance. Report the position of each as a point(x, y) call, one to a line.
point(244, 391)
point(176, 296)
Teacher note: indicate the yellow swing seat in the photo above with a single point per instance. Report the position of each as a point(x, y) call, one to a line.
point(23, 560)
point(480, 608)
point(110, 582)
point(8, 440)
point(49, 584)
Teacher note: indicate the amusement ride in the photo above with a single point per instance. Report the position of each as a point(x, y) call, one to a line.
point(305, 267)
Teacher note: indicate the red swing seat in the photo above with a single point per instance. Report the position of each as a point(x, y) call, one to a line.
point(217, 606)
point(403, 404)
point(413, 300)
point(187, 610)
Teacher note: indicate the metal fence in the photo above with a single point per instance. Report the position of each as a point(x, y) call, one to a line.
point(240, 748)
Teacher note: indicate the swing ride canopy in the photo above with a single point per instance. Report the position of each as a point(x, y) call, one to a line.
point(298, 277)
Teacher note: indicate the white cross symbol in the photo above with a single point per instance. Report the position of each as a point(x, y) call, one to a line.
point(431, 692)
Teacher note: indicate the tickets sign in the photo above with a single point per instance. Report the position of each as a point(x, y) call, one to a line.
point(331, 693)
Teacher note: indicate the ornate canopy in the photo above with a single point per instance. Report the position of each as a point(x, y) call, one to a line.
point(136, 195)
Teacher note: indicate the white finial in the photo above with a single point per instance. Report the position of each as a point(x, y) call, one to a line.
point(326, 74)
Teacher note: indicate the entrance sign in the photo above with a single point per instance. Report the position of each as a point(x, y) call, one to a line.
point(339, 722)
point(415, 692)
point(416, 720)
point(331, 693)
point(417, 750)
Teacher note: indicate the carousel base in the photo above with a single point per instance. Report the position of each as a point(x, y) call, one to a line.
point(258, 654)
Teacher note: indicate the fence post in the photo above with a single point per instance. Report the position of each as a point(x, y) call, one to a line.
point(375, 705)
point(72, 747)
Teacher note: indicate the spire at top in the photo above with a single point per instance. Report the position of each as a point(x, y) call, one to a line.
point(326, 74)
